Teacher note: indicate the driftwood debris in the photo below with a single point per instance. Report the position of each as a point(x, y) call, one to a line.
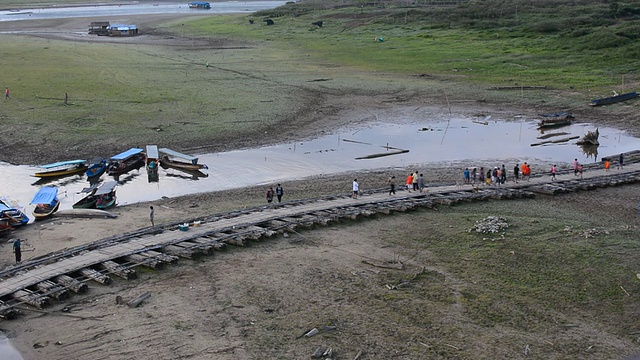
point(373, 156)
point(590, 138)
point(394, 266)
point(563, 140)
point(137, 301)
point(546, 136)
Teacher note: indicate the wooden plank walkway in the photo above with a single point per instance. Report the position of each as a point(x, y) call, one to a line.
point(18, 281)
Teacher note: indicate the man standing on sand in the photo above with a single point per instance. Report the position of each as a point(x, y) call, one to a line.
point(621, 162)
point(151, 214)
point(279, 192)
point(6, 93)
point(516, 173)
point(17, 251)
point(356, 188)
point(270, 194)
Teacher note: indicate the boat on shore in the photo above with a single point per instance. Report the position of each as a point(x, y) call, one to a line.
point(12, 212)
point(126, 161)
point(62, 168)
point(203, 5)
point(5, 226)
point(88, 201)
point(555, 120)
point(106, 195)
point(614, 99)
point(46, 202)
point(97, 168)
point(170, 159)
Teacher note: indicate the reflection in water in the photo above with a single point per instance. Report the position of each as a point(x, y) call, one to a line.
point(186, 174)
point(590, 151)
point(7, 351)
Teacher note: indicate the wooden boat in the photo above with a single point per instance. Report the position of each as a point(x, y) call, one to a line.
point(11, 212)
point(62, 168)
point(614, 99)
point(169, 159)
point(97, 168)
point(126, 161)
point(200, 5)
point(5, 226)
point(106, 195)
point(46, 202)
point(89, 201)
point(555, 120)
point(153, 158)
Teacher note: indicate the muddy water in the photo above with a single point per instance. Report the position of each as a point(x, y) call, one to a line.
point(7, 351)
point(464, 141)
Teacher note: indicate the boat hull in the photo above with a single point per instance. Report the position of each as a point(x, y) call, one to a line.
point(63, 172)
point(134, 162)
point(614, 99)
point(40, 213)
point(166, 162)
point(106, 201)
point(87, 202)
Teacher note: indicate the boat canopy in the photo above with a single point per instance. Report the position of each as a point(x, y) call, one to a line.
point(63, 163)
point(127, 154)
point(89, 189)
point(46, 195)
point(4, 207)
point(152, 152)
point(193, 159)
point(106, 188)
point(200, 4)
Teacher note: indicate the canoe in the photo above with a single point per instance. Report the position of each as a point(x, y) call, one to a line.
point(614, 99)
point(89, 201)
point(200, 5)
point(97, 168)
point(555, 120)
point(46, 201)
point(106, 195)
point(166, 161)
point(15, 216)
point(126, 161)
point(62, 168)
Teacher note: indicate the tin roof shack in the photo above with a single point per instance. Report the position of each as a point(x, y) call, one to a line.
point(100, 28)
point(123, 30)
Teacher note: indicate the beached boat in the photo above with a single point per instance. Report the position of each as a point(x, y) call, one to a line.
point(169, 159)
point(200, 5)
point(11, 212)
point(555, 120)
point(5, 226)
point(46, 202)
point(97, 168)
point(62, 168)
point(106, 195)
point(614, 99)
point(126, 161)
point(153, 158)
point(89, 201)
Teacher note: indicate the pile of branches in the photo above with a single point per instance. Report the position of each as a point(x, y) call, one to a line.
point(490, 225)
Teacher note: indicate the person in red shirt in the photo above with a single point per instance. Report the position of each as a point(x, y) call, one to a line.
point(409, 182)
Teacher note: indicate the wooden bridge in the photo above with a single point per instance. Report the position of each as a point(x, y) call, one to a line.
point(39, 281)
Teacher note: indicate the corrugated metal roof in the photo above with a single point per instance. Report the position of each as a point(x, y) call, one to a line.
point(106, 188)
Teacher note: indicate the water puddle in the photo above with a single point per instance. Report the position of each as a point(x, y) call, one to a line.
point(466, 141)
point(7, 351)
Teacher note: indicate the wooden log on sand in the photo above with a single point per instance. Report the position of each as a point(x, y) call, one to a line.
point(373, 156)
point(167, 258)
point(138, 300)
point(555, 141)
point(144, 260)
point(7, 312)
point(179, 251)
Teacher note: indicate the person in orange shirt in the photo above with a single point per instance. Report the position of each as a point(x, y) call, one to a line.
point(607, 165)
point(410, 182)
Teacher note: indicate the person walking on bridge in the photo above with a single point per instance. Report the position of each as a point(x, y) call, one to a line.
point(392, 185)
point(356, 188)
point(279, 192)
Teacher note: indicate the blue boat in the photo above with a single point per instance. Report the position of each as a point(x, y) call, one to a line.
point(97, 168)
point(46, 202)
point(15, 216)
point(200, 5)
point(615, 99)
point(126, 161)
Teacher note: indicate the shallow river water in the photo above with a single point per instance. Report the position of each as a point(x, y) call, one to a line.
point(462, 141)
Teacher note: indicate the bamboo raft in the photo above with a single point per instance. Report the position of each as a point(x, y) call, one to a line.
point(40, 281)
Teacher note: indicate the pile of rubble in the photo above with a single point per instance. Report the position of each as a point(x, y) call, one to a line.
point(490, 225)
